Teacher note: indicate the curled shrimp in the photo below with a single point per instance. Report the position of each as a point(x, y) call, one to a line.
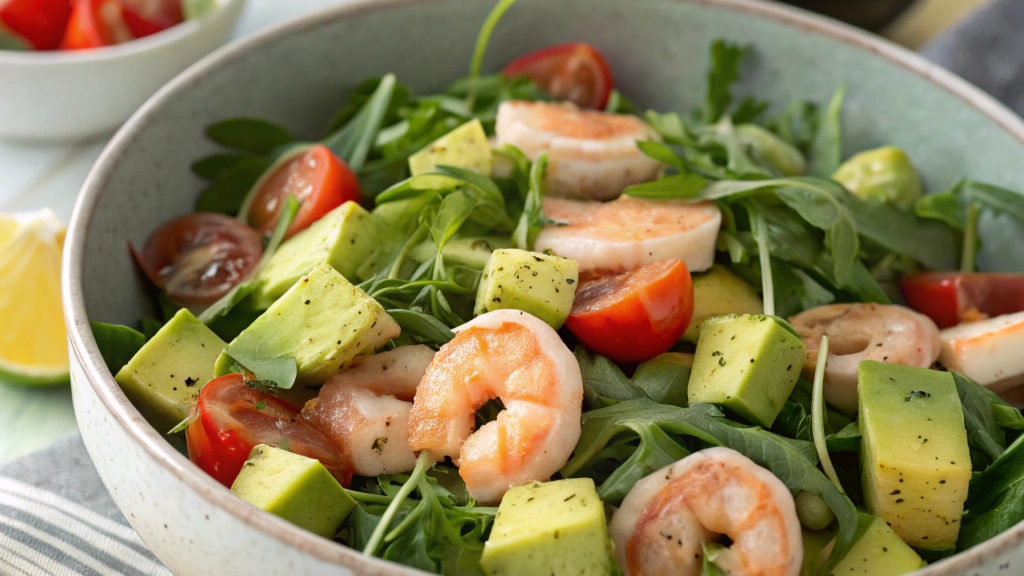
point(365, 409)
point(591, 154)
point(511, 355)
point(858, 332)
point(669, 516)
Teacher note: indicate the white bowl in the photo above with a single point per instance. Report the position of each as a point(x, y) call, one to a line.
point(298, 73)
point(69, 96)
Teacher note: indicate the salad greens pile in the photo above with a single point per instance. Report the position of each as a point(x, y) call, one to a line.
point(805, 239)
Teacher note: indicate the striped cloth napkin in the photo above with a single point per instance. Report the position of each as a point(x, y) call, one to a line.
point(56, 517)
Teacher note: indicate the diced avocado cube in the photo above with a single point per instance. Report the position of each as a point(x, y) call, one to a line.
point(665, 377)
point(344, 238)
point(879, 552)
point(718, 291)
point(914, 456)
point(465, 147)
point(747, 363)
point(163, 379)
point(540, 284)
point(323, 321)
point(294, 487)
point(473, 252)
point(817, 545)
point(551, 528)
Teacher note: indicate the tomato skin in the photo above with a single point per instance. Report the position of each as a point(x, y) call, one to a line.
point(230, 419)
point(574, 71)
point(634, 316)
point(40, 23)
point(199, 257)
point(146, 17)
point(318, 179)
point(950, 298)
point(95, 24)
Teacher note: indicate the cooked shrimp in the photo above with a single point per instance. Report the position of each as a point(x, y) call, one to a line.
point(858, 332)
point(590, 154)
point(668, 516)
point(518, 358)
point(365, 409)
point(630, 232)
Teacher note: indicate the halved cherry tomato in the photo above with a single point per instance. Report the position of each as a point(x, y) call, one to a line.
point(634, 316)
point(230, 419)
point(145, 17)
point(94, 24)
point(576, 71)
point(317, 178)
point(197, 258)
point(40, 23)
point(950, 298)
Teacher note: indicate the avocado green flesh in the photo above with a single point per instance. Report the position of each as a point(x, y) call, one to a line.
point(164, 378)
point(540, 284)
point(464, 147)
point(878, 552)
point(323, 322)
point(294, 487)
point(914, 456)
point(747, 363)
point(552, 528)
point(716, 292)
point(344, 239)
point(473, 252)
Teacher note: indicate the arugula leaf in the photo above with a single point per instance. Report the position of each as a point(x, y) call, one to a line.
point(664, 378)
point(675, 186)
point(723, 71)
point(995, 498)
point(797, 125)
point(484, 37)
point(210, 167)
point(712, 551)
point(983, 431)
point(252, 135)
point(604, 383)
point(792, 465)
point(230, 187)
point(353, 141)
point(424, 326)
point(117, 344)
point(826, 147)
point(532, 219)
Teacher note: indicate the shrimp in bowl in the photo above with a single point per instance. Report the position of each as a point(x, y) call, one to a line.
point(667, 518)
point(519, 359)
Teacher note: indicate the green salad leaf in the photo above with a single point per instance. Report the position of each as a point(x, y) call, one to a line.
point(251, 135)
point(117, 344)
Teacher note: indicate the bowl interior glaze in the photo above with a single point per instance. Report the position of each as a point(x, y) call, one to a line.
point(299, 74)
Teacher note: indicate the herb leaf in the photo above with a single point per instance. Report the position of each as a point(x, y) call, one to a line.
point(117, 344)
point(724, 70)
point(826, 147)
point(532, 219)
point(252, 135)
point(229, 188)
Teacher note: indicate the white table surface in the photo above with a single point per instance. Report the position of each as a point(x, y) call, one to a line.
point(35, 177)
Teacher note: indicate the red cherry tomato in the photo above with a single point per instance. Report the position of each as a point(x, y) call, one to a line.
point(317, 178)
point(230, 419)
point(576, 71)
point(145, 17)
point(40, 23)
point(199, 257)
point(94, 24)
point(634, 316)
point(950, 298)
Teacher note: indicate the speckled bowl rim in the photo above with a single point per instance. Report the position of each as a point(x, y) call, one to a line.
point(154, 42)
point(84, 346)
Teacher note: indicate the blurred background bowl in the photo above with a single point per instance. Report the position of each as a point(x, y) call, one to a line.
point(70, 96)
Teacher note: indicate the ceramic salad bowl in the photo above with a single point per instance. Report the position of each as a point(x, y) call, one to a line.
point(299, 72)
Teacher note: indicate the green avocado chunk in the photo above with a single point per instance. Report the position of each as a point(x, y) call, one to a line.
point(540, 284)
point(344, 238)
point(878, 552)
point(294, 487)
point(551, 528)
point(718, 291)
point(914, 454)
point(465, 147)
point(163, 379)
point(883, 174)
point(747, 363)
point(473, 252)
point(323, 322)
